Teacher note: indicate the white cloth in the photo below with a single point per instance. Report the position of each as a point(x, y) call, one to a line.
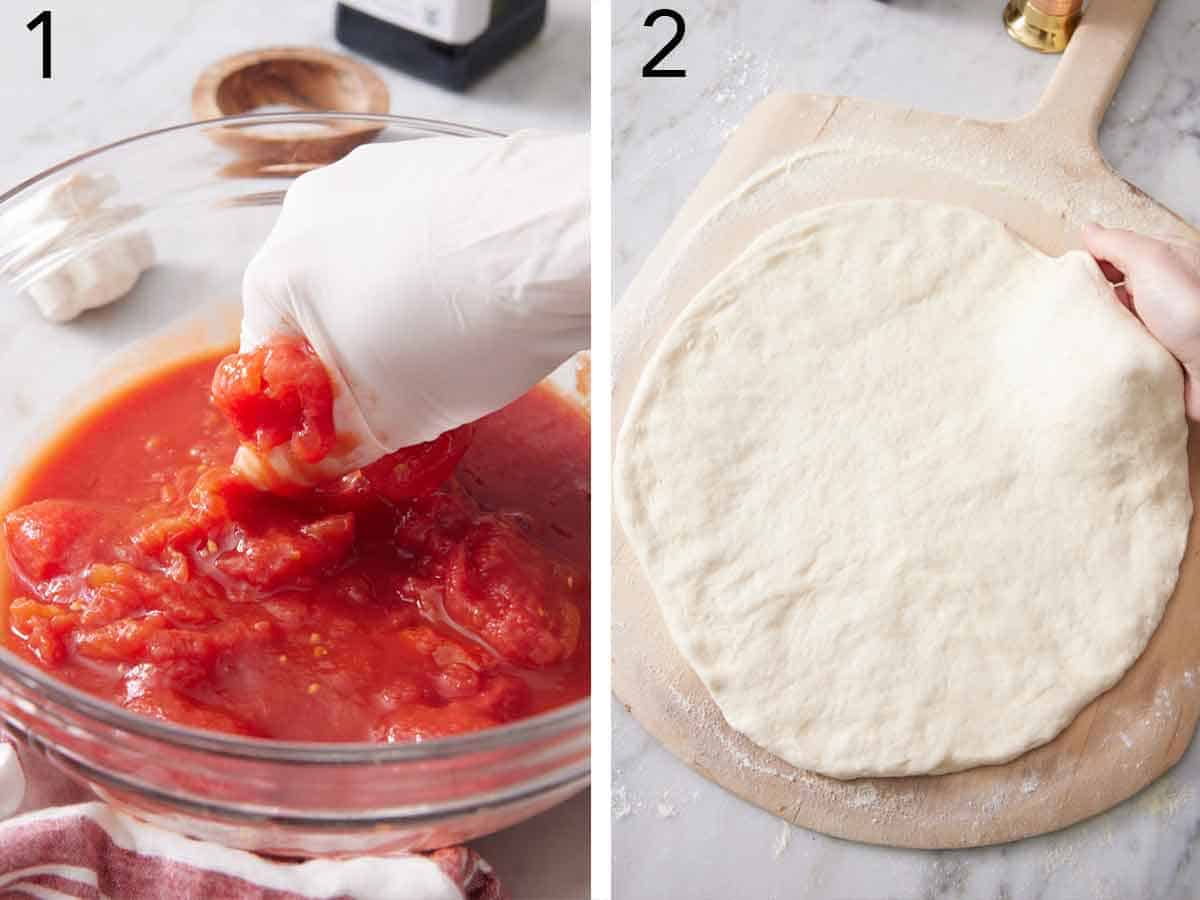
point(66, 845)
point(437, 279)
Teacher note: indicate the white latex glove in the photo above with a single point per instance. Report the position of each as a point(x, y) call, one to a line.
point(437, 279)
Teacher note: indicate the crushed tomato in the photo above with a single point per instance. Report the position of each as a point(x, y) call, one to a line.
point(441, 590)
point(278, 393)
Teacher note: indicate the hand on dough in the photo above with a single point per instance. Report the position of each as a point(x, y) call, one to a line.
point(1159, 281)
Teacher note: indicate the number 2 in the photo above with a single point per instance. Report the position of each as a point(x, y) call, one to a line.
point(42, 20)
point(651, 70)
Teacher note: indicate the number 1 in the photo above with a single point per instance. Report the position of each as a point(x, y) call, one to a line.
point(40, 20)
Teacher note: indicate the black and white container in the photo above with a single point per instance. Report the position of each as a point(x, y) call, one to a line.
point(450, 42)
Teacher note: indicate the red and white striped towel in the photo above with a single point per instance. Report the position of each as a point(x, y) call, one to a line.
point(88, 850)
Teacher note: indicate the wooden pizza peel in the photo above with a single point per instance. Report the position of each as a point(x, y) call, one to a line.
point(1042, 175)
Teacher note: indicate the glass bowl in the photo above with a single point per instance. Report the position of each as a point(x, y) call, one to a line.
point(207, 194)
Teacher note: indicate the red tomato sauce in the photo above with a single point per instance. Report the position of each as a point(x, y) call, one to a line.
point(371, 608)
point(278, 393)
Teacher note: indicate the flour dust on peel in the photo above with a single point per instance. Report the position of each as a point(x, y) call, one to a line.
point(909, 492)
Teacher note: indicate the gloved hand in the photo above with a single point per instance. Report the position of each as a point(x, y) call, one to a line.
point(1160, 283)
point(436, 279)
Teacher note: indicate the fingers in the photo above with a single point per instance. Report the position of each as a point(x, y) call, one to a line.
point(1159, 282)
point(1123, 251)
point(1111, 272)
point(1096, 236)
point(1191, 395)
point(1164, 272)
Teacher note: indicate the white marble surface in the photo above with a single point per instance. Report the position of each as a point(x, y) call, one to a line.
point(674, 833)
point(124, 68)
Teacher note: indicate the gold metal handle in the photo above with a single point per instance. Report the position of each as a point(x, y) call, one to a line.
point(1044, 25)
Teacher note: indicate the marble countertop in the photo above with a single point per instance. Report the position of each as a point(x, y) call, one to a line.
point(120, 69)
point(120, 73)
point(671, 827)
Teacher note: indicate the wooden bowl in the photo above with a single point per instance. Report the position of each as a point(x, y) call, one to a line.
point(302, 78)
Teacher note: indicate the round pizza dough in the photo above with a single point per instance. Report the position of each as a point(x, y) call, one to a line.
point(909, 492)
